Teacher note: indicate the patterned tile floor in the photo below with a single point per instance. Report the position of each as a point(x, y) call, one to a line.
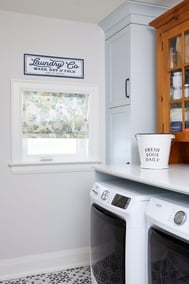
point(79, 275)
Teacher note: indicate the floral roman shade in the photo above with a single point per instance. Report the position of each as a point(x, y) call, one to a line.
point(54, 115)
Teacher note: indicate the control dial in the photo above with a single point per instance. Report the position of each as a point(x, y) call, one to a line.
point(180, 217)
point(104, 195)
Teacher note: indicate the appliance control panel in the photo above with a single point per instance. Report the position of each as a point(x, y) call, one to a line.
point(102, 193)
point(121, 201)
point(169, 214)
point(105, 194)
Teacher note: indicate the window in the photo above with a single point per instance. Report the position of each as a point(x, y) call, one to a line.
point(53, 122)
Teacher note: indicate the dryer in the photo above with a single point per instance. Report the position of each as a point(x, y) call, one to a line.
point(168, 239)
point(118, 232)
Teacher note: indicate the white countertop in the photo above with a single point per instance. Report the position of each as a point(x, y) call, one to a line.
point(175, 178)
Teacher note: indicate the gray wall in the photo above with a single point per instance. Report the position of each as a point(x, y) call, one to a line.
point(41, 213)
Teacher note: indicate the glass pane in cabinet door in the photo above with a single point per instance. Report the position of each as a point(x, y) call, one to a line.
point(176, 85)
point(176, 117)
point(175, 48)
point(186, 116)
point(186, 47)
point(186, 83)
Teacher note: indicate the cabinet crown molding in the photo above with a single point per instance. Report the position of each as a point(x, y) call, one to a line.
point(130, 12)
point(174, 16)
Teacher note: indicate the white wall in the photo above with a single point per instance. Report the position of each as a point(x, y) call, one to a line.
point(44, 213)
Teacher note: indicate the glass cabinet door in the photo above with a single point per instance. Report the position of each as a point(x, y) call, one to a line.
point(178, 47)
point(173, 78)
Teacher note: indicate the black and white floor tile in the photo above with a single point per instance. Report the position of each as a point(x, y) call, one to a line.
point(79, 275)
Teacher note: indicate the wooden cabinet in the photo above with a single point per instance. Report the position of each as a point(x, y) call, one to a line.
point(173, 78)
point(130, 79)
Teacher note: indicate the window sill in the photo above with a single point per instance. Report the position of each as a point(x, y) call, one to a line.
point(51, 167)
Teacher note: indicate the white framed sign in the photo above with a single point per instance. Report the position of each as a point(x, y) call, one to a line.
point(42, 65)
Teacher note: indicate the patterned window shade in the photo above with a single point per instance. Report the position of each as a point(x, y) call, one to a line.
point(55, 115)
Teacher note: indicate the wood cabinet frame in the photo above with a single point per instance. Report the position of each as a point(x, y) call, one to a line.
point(170, 24)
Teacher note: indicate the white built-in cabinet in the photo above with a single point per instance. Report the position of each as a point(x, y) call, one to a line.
point(117, 59)
point(130, 79)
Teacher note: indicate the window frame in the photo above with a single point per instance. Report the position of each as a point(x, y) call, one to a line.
point(17, 88)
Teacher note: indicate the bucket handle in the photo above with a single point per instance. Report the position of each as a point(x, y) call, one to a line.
point(136, 136)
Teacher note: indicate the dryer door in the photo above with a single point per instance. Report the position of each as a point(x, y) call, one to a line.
point(168, 258)
point(107, 246)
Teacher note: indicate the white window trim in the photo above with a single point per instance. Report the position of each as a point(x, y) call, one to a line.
point(52, 167)
point(17, 164)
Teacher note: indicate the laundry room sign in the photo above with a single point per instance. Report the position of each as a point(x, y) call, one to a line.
point(41, 65)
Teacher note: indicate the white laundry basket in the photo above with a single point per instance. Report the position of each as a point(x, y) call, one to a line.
point(154, 150)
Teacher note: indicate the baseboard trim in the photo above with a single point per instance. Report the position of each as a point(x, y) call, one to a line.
point(43, 263)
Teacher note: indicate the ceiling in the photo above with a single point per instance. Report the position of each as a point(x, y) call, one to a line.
point(90, 11)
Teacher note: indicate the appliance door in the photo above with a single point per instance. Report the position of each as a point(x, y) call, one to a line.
point(108, 233)
point(168, 258)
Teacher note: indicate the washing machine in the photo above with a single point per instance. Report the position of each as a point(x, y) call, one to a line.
point(118, 232)
point(168, 239)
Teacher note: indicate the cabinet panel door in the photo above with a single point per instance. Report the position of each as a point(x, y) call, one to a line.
point(118, 54)
point(175, 102)
point(118, 136)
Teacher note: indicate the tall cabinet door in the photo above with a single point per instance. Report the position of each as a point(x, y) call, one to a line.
point(118, 135)
point(118, 98)
point(117, 68)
